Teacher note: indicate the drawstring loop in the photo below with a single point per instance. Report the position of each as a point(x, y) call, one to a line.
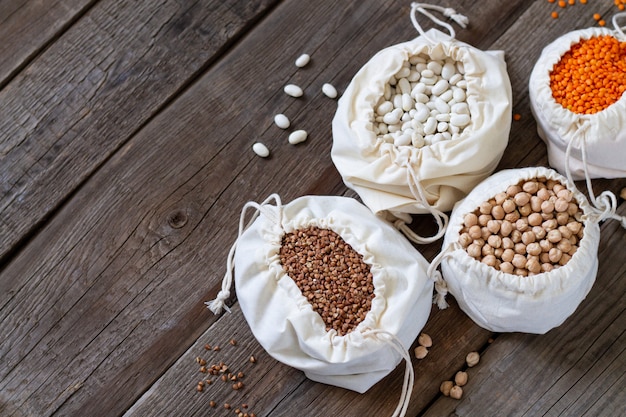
point(605, 205)
point(409, 374)
point(418, 192)
point(617, 27)
point(275, 216)
point(446, 11)
point(441, 287)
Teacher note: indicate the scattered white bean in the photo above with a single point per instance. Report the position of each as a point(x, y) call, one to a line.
point(261, 150)
point(297, 136)
point(329, 90)
point(302, 60)
point(282, 121)
point(293, 90)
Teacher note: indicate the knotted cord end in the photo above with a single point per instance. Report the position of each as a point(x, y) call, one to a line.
point(218, 304)
point(441, 290)
point(457, 17)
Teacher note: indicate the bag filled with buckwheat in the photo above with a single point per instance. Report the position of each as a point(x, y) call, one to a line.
point(421, 123)
point(329, 288)
point(520, 253)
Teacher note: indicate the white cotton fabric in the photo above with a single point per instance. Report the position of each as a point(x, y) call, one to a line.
point(503, 302)
point(283, 321)
point(603, 134)
point(448, 170)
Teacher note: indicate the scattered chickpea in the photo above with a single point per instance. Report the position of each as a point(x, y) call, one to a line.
point(445, 387)
point(456, 392)
point(425, 340)
point(461, 378)
point(233, 342)
point(252, 359)
point(472, 359)
point(420, 352)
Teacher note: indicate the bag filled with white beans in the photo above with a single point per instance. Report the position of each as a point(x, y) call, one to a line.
point(421, 123)
point(520, 253)
point(329, 288)
point(587, 142)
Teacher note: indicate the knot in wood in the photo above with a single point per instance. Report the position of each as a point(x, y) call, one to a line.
point(177, 219)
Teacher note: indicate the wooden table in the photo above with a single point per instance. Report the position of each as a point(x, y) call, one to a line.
point(125, 159)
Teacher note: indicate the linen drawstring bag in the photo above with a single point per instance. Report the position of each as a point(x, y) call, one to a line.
point(406, 168)
point(589, 145)
point(283, 319)
point(506, 302)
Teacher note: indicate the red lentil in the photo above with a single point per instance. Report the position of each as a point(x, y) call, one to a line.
point(555, 15)
point(591, 75)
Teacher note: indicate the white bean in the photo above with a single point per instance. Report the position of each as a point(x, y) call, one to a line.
point(422, 98)
point(458, 94)
point(430, 126)
point(428, 80)
point(455, 79)
point(417, 140)
point(282, 121)
point(404, 86)
point(384, 108)
point(293, 90)
point(442, 127)
point(460, 120)
point(302, 60)
point(439, 87)
point(435, 67)
point(448, 70)
point(428, 73)
point(407, 102)
point(402, 140)
point(422, 112)
point(329, 90)
point(460, 108)
point(393, 117)
point(441, 106)
point(446, 96)
point(298, 136)
point(261, 150)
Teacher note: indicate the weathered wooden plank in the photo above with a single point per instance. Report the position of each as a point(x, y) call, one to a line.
point(93, 88)
point(574, 369)
point(109, 294)
point(26, 27)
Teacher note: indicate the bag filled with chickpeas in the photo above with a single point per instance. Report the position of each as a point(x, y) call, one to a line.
point(577, 98)
point(421, 123)
point(329, 288)
point(520, 253)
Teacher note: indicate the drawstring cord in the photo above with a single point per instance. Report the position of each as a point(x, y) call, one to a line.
point(418, 192)
point(446, 11)
point(617, 27)
point(605, 205)
point(216, 305)
point(409, 374)
point(441, 287)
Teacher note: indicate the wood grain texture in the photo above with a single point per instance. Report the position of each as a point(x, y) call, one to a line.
point(144, 191)
point(27, 26)
point(93, 88)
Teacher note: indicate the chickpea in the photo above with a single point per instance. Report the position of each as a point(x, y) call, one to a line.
point(561, 205)
point(500, 197)
point(507, 267)
point(507, 255)
point(494, 226)
point(555, 255)
point(507, 243)
point(474, 251)
point(535, 204)
point(534, 249)
point(533, 266)
point(489, 260)
point(498, 212)
point(506, 228)
point(512, 190)
point(509, 205)
point(465, 239)
point(485, 208)
point(475, 232)
point(470, 220)
point(521, 225)
point(531, 187)
point(521, 199)
point(535, 219)
point(512, 217)
point(483, 219)
point(520, 248)
point(528, 237)
point(494, 241)
point(539, 232)
point(547, 207)
point(519, 261)
point(554, 236)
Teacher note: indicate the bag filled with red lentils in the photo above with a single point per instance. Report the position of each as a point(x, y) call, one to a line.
point(421, 123)
point(329, 288)
point(520, 253)
point(577, 98)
